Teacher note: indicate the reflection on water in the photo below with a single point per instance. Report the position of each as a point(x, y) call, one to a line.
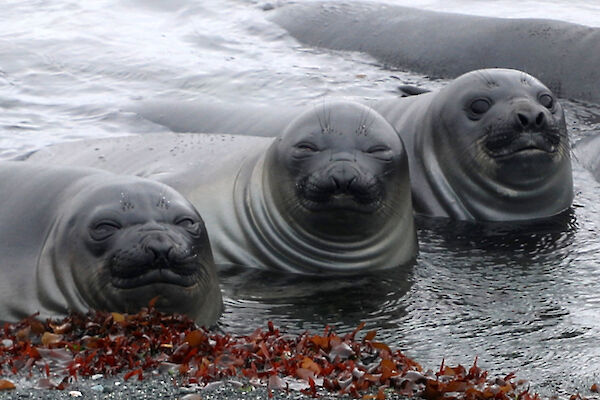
point(299, 303)
point(522, 298)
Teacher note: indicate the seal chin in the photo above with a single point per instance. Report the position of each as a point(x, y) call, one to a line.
point(171, 297)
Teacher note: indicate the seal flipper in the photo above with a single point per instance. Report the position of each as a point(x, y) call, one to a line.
point(409, 90)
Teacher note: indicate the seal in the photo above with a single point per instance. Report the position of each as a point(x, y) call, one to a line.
point(563, 55)
point(76, 239)
point(587, 152)
point(492, 146)
point(331, 194)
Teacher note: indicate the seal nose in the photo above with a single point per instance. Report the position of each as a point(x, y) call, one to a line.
point(342, 177)
point(159, 245)
point(529, 119)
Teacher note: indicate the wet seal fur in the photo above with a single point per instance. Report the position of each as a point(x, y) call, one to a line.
point(492, 145)
point(76, 239)
point(587, 152)
point(563, 55)
point(330, 195)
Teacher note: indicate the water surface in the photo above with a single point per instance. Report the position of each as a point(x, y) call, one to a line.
point(522, 298)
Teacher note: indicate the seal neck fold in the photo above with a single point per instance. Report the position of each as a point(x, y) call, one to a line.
point(284, 246)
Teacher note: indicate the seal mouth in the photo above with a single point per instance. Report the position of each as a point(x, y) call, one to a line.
point(156, 256)
point(184, 277)
point(528, 143)
point(130, 272)
point(319, 192)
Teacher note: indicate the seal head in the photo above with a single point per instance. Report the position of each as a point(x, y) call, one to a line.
point(128, 242)
point(332, 193)
point(500, 141)
point(337, 173)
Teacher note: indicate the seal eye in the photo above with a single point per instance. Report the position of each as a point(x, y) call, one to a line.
point(307, 147)
point(104, 229)
point(189, 224)
point(304, 150)
point(547, 101)
point(379, 151)
point(480, 106)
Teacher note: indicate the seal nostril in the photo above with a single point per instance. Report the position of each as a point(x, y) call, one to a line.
point(523, 119)
point(540, 119)
point(351, 181)
point(336, 182)
point(160, 253)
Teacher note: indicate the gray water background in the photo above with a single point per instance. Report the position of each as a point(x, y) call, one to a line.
point(523, 299)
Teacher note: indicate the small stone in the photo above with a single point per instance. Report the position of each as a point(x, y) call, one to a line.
point(7, 343)
point(97, 388)
point(95, 377)
point(212, 386)
point(75, 393)
point(191, 396)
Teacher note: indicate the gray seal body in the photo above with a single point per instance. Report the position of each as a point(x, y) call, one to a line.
point(330, 195)
point(77, 239)
point(587, 152)
point(563, 55)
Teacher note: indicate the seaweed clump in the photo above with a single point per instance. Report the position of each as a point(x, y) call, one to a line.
point(136, 344)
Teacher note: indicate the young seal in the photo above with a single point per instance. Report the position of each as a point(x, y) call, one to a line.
point(75, 239)
point(563, 55)
point(587, 152)
point(330, 195)
point(491, 146)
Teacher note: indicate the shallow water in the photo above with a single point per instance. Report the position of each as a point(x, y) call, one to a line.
point(524, 299)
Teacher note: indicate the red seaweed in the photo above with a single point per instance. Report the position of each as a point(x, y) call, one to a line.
point(113, 343)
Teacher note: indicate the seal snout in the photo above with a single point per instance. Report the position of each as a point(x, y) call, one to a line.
point(166, 252)
point(161, 256)
point(341, 185)
point(528, 119)
point(160, 246)
point(531, 130)
point(342, 178)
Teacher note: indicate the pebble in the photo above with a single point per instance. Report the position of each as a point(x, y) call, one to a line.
point(191, 396)
point(97, 388)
